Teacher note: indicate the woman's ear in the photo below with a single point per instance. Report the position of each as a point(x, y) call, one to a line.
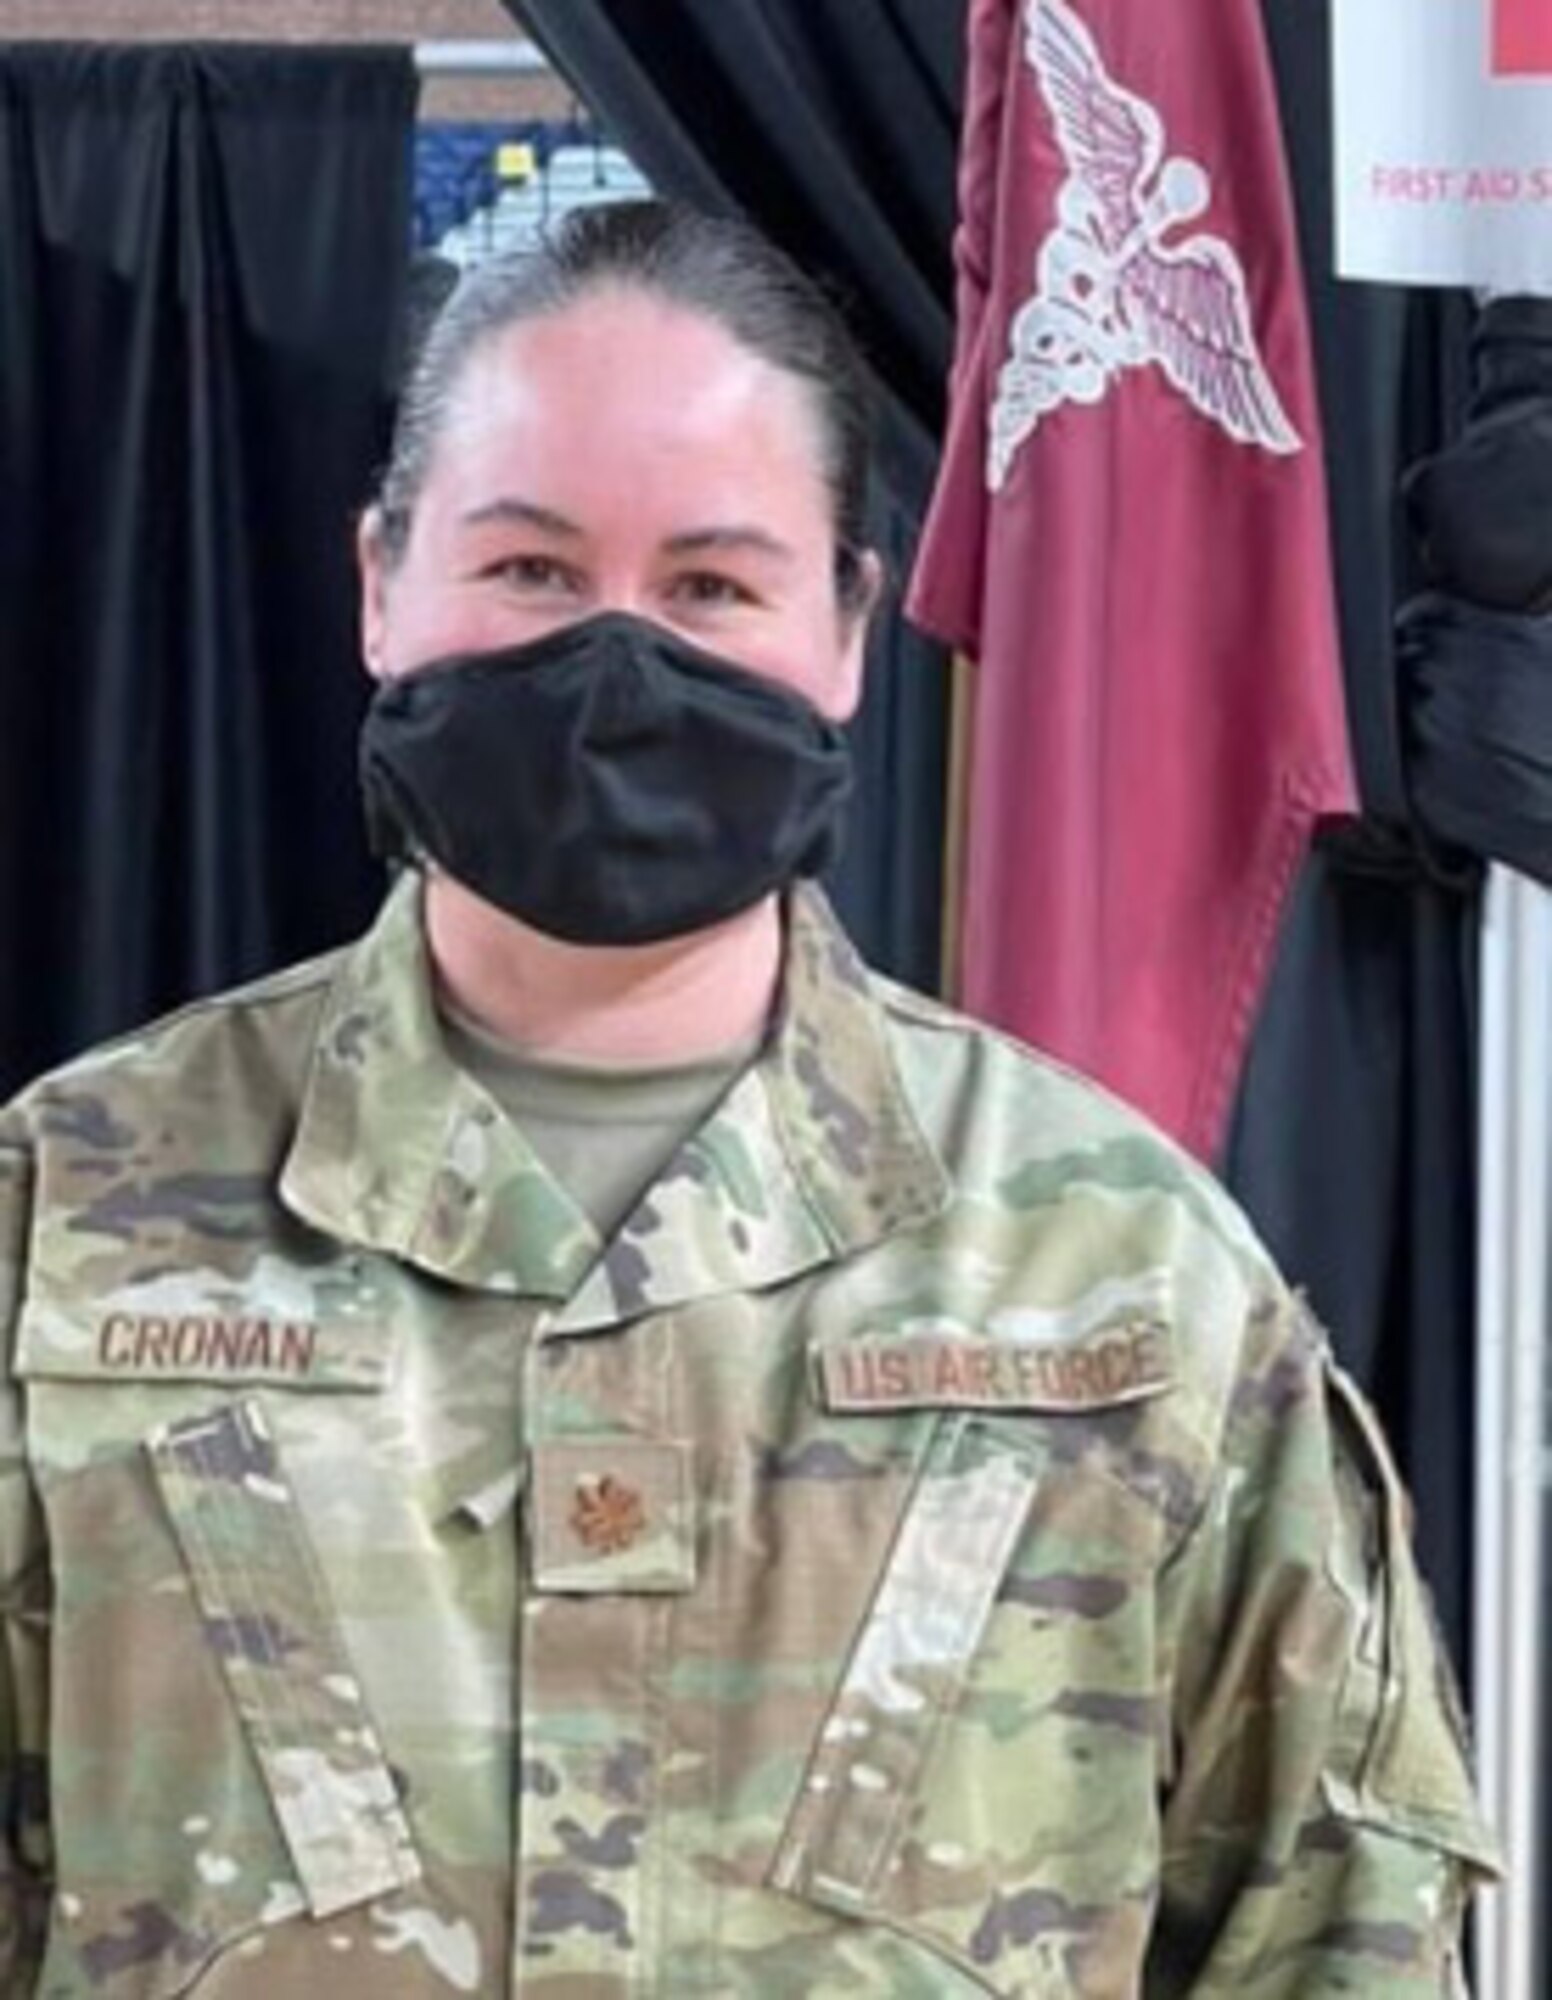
point(861, 588)
point(372, 573)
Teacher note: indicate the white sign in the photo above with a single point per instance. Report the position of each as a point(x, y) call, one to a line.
point(1444, 142)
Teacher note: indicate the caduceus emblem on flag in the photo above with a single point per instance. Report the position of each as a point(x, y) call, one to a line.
point(1119, 287)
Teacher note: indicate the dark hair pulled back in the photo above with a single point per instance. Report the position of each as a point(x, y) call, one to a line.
point(706, 264)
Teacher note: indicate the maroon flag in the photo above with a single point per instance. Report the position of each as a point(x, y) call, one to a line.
point(1129, 536)
point(1522, 37)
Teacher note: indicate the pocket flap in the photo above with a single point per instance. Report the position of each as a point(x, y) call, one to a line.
point(910, 1662)
point(268, 1617)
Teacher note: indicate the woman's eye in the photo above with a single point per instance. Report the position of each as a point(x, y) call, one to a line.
point(542, 573)
point(705, 587)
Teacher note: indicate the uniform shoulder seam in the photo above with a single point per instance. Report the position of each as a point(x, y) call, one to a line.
point(922, 1011)
point(904, 1002)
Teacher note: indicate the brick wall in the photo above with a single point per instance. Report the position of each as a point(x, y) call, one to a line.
point(308, 21)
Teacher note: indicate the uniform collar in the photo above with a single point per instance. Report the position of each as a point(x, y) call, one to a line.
point(814, 1154)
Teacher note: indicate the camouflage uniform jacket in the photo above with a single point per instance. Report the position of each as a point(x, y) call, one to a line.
point(927, 1552)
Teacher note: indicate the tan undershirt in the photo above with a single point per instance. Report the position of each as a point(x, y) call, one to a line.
point(605, 1131)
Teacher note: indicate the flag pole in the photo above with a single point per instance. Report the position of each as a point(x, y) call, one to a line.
point(1512, 1624)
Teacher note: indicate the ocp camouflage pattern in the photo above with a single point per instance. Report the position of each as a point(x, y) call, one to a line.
point(927, 1552)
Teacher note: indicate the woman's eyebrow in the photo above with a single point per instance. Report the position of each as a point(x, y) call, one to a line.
point(757, 541)
point(526, 513)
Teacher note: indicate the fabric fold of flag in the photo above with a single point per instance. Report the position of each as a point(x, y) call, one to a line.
point(1129, 536)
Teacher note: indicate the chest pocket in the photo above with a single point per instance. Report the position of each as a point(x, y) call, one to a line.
point(214, 1768)
point(985, 1779)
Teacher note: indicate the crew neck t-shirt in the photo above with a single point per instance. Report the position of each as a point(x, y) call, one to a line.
point(603, 1130)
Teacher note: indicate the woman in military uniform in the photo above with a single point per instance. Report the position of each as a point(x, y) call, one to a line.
point(587, 1446)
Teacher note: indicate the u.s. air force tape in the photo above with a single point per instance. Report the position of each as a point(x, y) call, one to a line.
point(1122, 1364)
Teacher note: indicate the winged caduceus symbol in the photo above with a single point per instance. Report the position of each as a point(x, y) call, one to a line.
point(1118, 287)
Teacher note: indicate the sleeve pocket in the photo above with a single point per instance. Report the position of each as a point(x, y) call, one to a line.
point(1399, 1759)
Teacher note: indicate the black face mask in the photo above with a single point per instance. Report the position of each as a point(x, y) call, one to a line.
point(608, 783)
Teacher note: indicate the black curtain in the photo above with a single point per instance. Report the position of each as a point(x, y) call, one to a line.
point(833, 124)
point(202, 254)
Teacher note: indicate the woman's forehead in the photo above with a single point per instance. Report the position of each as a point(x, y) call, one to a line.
point(623, 384)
